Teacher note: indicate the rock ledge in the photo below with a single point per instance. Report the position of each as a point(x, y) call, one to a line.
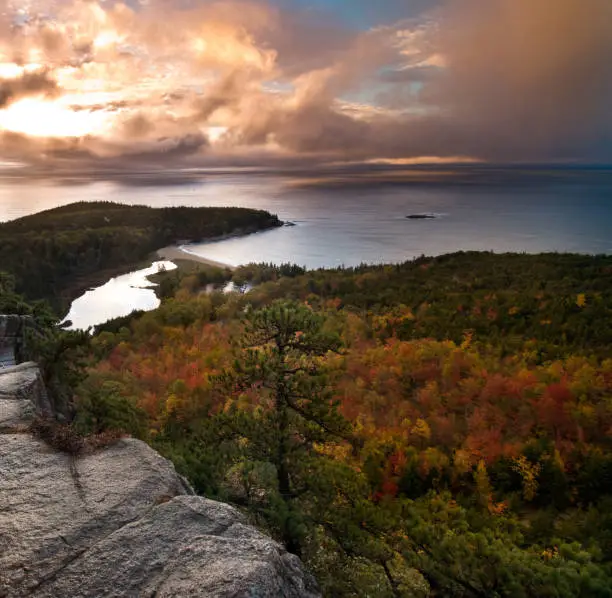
point(120, 522)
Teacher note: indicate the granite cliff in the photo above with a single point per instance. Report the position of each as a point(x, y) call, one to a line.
point(119, 521)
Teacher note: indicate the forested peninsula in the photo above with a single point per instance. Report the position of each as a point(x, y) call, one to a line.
point(56, 254)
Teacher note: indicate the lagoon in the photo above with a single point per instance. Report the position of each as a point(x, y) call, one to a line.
point(118, 297)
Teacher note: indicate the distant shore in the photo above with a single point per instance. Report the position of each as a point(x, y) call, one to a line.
point(177, 252)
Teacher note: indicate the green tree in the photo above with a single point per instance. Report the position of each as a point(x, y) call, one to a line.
point(102, 407)
point(283, 405)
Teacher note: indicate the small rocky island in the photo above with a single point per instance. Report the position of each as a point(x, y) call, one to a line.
point(421, 216)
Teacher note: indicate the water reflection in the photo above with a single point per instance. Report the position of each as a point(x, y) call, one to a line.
point(119, 297)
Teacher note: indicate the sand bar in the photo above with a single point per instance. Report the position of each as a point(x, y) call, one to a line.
point(176, 252)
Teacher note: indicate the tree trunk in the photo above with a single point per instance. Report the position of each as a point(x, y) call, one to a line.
point(282, 469)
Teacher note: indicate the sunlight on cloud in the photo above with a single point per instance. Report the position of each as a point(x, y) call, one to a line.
point(215, 133)
point(243, 78)
point(39, 118)
point(421, 160)
point(10, 70)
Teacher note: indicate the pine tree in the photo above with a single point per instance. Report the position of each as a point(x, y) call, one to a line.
point(290, 414)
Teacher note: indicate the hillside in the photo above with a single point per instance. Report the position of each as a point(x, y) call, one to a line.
point(56, 254)
point(559, 303)
point(435, 428)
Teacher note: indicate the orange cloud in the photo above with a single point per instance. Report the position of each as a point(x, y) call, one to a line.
point(242, 81)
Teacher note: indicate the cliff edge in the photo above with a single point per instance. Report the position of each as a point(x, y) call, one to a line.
point(119, 522)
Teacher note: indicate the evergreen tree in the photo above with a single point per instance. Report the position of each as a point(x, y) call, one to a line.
point(290, 415)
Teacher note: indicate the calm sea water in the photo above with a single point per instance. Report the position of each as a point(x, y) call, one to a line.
point(348, 224)
point(366, 223)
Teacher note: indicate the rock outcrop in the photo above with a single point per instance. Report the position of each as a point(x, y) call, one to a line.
point(119, 522)
point(12, 338)
point(22, 395)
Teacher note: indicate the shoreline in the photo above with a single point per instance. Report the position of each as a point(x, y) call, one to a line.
point(177, 252)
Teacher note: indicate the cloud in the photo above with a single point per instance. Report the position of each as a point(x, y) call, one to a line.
point(27, 84)
point(528, 79)
point(501, 80)
point(256, 82)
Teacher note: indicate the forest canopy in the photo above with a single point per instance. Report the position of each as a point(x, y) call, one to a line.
point(434, 428)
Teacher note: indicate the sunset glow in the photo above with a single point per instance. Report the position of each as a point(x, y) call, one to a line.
point(238, 79)
point(41, 118)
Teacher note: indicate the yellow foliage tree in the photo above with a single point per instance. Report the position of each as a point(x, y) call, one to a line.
point(483, 485)
point(421, 430)
point(529, 472)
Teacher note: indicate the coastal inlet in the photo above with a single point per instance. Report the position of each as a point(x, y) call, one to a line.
point(124, 294)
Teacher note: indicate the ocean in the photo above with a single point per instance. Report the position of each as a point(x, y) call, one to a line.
point(349, 218)
point(352, 219)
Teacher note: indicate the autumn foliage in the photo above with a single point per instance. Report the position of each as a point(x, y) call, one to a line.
point(481, 405)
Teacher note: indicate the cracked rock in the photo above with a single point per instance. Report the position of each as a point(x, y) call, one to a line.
point(121, 522)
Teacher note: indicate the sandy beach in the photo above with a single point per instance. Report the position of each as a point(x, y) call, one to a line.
point(176, 252)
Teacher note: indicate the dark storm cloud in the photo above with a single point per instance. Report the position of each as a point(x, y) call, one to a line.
point(75, 154)
point(528, 79)
point(29, 83)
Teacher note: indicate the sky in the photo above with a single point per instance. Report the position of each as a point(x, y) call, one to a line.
point(98, 85)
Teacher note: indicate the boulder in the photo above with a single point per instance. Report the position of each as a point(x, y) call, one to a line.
point(188, 546)
point(121, 522)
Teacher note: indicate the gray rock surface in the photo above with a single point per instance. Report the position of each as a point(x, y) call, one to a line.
point(22, 394)
point(121, 522)
point(12, 338)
